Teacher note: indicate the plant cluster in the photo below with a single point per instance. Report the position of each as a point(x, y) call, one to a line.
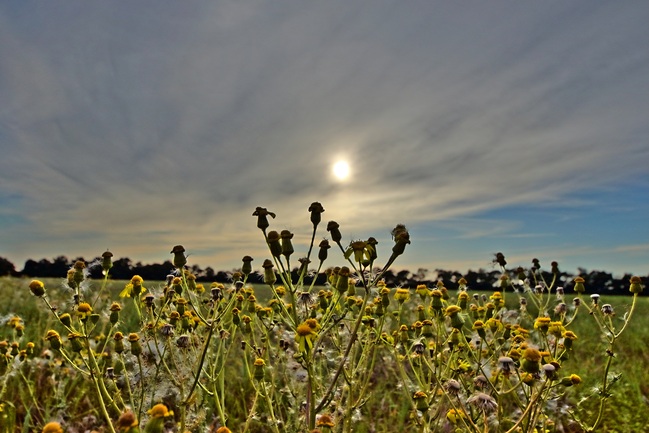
point(293, 357)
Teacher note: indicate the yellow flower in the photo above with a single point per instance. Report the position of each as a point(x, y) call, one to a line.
point(305, 335)
point(160, 411)
point(126, 422)
point(37, 288)
point(84, 310)
point(324, 421)
point(455, 415)
point(223, 430)
point(402, 295)
point(52, 427)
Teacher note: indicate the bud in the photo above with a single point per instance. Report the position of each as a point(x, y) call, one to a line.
point(115, 308)
point(500, 259)
point(316, 210)
point(333, 229)
point(262, 217)
point(287, 244)
point(274, 244)
point(118, 343)
point(246, 269)
point(324, 246)
point(636, 285)
point(401, 239)
point(259, 369)
point(75, 341)
point(106, 261)
point(37, 288)
point(136, 348)
point(342, 285)
point(269, 274)
point(179, 256)
point(579, 285)
point(421, 401)
point(54, 338)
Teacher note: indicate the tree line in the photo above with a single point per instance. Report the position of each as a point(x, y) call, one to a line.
point(481, 280)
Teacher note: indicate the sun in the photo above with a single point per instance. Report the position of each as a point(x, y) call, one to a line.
point(341, 170)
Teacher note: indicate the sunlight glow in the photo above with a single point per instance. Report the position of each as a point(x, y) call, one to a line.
point(341, 170)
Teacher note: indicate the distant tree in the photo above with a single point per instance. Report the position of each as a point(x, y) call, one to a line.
point(6, 267)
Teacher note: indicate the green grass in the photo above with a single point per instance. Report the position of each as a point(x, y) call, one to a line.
point(387, 411)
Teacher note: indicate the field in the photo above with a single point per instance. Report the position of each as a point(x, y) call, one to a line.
point(38, 385)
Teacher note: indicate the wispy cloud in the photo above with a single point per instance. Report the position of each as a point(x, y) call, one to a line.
point(138, 128)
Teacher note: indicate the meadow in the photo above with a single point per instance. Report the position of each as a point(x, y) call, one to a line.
point(352, 356)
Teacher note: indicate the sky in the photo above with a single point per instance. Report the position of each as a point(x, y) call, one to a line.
point(484, 127)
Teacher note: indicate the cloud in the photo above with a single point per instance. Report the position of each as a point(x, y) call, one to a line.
point(160, 124)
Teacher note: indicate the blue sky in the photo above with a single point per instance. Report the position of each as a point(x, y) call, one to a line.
point(518, 127)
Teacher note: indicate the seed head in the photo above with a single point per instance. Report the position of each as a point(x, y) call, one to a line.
point(483, 402)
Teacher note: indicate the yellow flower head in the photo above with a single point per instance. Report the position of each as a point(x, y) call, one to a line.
point(126, 422)
point(160, 411)
point(52, 427)
point(324, 421)
point(37, 287)
point(223, 430)
point(84, 310)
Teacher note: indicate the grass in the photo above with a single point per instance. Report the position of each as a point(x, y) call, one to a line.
point(42, 392)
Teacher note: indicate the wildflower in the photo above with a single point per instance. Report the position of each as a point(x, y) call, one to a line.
point(78, 275)
point(421, 400)
point(134, 288)
point(325, 421)
point(126, 422)
point(316, 210)
point(269, 274)
point(506, 365)
point(106, 261)
point(52, 427)
point(561, 308)
point(84, 310)
point(274, 244)
point(454, 416)
point(550, 371)
point(322, 253)
point(334, 229)
point(607, 310)
point(579, 285)
point(342, 284)
point(54, 338)
point(480, 382)
point(75, 340)
point(500, 259)
point(554, 268)
point(483, 402)
point(37, 288)
point(157, 413)
point(118, 343)
point(560, 293)
point(595, 298)
point(453, 387)
point(305, 335)
point(571, 380)
point(262, 217)
point(463, 300)
point(576, 302)
point(478, 326)
point(401, 295)
point(568, 338)
point(223, 429)
point(179, 256)
point(636, 285)
point(401, 239)
point(557, 329)
point(259, 370)
point(136, 348)
point(542, 324)
point(115, 308)
point(456, 320)
point(531, 358)
point(360, 249)
point(422, 291)
point(183, 341)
